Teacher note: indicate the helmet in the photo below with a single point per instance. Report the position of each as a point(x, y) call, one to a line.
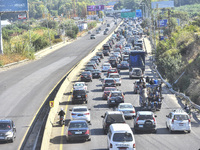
point(61, 108)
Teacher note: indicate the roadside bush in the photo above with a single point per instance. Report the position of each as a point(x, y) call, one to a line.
point(71, 34)
point(92, 24)
point(57, 40)
point(40, 43)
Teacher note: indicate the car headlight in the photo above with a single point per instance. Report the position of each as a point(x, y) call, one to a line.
point(9, 133)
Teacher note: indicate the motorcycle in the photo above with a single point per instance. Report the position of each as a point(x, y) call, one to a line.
point(62, 120)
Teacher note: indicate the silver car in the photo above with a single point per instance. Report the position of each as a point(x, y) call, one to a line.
point(7, 130)
point(116, 77)
point(80, 113)
point(127, 109)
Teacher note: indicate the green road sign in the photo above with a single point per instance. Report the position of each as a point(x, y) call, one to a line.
point(127, 14)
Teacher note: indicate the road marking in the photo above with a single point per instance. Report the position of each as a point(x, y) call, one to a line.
point(63, 127)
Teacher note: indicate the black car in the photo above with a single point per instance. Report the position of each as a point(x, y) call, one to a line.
point(111, 117)
point(100, 54)
point(96, 60)
point(106, 52)
point(108, 82)
point(86, 76)
point(79, 96)
point(108, 25)
point(78, 130)
point(93, 64)
point(105, 33)
point(89, 68)
point(113, 62)
point(96, 73)
point(115, 97)
point(7, 130)
point(123, 65)
point(98, 57)
point(92, 36)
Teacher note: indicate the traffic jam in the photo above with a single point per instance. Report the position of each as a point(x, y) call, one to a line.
point(118, 66)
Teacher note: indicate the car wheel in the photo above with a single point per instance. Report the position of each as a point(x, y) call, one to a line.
point(91, 80)
point(155, 131)
point(189, 131)
point(86, 102)
point(104, 131)
point(89, 139)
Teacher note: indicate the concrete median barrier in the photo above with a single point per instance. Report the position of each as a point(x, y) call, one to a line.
point(73, 73)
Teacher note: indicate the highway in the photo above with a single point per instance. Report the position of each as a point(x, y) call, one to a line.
point(23, 89)
point(144, 141)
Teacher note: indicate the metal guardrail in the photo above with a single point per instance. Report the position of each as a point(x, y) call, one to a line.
point(180, 95)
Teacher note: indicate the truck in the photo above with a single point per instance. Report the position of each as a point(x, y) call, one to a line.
point(137, 60)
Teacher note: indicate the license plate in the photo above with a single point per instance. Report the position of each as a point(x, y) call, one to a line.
point(79, 96)
point(80, 114)
point(112, 101)
point(125, 112)
point(180, 124)
point(78, 132)
point(140, 126)
point(122, 148)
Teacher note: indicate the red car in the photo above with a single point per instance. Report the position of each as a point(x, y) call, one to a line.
point(106, 92)
point(113, 70)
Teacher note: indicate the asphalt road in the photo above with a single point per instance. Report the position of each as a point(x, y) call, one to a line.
point(24, 88)
point(144, 141)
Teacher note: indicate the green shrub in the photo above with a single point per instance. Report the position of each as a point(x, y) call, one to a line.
point(40, 43)
point(57, 40)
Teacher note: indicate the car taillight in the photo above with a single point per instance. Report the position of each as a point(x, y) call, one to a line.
point(85, 95)
point(72, 96)
point(132, 111)
point(81, 75)
point(90, 75)
point(110, 145)
point(86, 113)
point(136, 86)
point(134, 145)
point(154, 120)
point(69, 133)
point(189, 120)
point(73, 114)
point(87, 132)
point(137, 120)
point(172, 121)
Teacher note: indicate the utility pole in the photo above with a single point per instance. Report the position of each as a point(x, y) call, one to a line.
point(28, 19)
point(1, 40)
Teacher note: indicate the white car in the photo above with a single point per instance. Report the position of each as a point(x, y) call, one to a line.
point(116, 77)
point(135, 73)
point(127, 109)
point(79, 85)
point(80, 113)
point(106, 67)
point(178, 120)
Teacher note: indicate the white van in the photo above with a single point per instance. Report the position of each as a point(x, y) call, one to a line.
point(120, 136)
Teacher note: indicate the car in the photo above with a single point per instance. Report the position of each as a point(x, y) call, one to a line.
point(97, 31)
point(93, 63)
point(107, 91)
point(115, 98)
point(108, 25)
point(127, 109)
point(117, 78)
point(106, 52)
point(78, 85)
point(92, 36)
point(106, 47)
point(96, 73)
point(89, 32)
point(111, 117)
point(95, 59)
point(118, 55)
point(125, 57)
point(78, 130)
point(80, 113)
point(7, 130)
point(145, 121)
point(100, 54)
point(105, 33)
point(178, 120)
point(107, 29)
point(108, 82)
point(105, 67)
point(124, 65)
point(79, 95)
point(112, 70)
point(89, 67)
point(86, 76)
point(136, 73)
point(120, 136)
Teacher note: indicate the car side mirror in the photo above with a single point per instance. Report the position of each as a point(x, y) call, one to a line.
point(102, 116)
point(155, 115)
point(124, 93)
point(89, 123)
point(70, 109)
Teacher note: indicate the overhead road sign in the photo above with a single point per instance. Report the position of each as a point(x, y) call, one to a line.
point(13, 6)
point(128, 15)
point(138, 13)
point(162, 23)
point(162, 4)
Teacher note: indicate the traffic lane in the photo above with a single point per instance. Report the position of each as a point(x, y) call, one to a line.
point(98, 108)
point(24, 90)
point(163, 139)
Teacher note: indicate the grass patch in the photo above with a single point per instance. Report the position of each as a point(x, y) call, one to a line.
point(11, 58)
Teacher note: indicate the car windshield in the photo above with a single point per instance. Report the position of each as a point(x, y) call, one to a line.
point(112, 70)
point(180, 117)
point(78, 125)
point(115, 118)
point(122, 137)
point(4, 126)
point(145, 117)
point(125, 106)
point(106, 65)
point(79, 109)
point(78, 84)
point(124, 62)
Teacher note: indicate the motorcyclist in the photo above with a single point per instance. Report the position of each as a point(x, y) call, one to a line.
point(147, 79)
point(154, 101)
point(187, 109)
point(61, 113)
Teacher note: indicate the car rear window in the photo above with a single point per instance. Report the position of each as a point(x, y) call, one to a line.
point(78, 125)
point(109, 89)
point(115, 118)
point(79, 109)
point(180, 117)
point(145, 117)
point(122, 137)
point(125, 106)
point(116, 94)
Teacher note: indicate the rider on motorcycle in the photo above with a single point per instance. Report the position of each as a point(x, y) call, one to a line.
point(187, 109)
point(154, 101)
point(61, 113)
